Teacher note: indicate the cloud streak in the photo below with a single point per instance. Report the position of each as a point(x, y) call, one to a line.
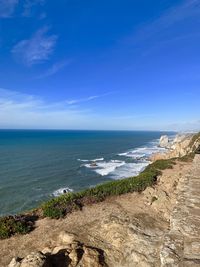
point(37, 49)
point(7, 8)
point(19, 110)
point(86, 99)
point(54, 69)
point(187, 9)
point(22, 111)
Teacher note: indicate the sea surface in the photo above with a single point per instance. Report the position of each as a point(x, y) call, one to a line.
point(36, 165)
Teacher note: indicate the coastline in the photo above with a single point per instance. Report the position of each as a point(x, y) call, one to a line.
point(150, 214)
point(122, 165)
point(37, 165)
point(126, 233)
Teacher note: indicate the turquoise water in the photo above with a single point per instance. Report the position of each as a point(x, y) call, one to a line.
point(36, 165)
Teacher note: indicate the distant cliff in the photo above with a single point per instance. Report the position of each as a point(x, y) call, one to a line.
point(182, 145)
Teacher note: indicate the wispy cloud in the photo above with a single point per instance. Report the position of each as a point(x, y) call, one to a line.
point(178, 13)
point(86, 99)
point(7, 8)
point(37, 49)
point(19, 110)
point(25, 111)
point(29, 5)
point(54, 69)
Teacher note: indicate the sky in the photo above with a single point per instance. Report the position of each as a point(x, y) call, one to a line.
point(102, 65)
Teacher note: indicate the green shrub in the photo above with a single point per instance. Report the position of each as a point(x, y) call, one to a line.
point(11, 225)
point(161, 164)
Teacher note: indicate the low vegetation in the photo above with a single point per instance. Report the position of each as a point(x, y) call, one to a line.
point(11, 225)
point(61, 206)
point(187, 158)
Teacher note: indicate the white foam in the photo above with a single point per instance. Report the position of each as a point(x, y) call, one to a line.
point(105, 168)
point(83, 160)
point(93, 160)
point(118, 169)
point(142, 152)
point(128, 170)
point(61, 191)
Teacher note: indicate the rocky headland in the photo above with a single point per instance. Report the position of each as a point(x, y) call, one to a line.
point(157, 227)
point(180, 146)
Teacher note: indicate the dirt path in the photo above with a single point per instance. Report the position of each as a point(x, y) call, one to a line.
point(182, 243)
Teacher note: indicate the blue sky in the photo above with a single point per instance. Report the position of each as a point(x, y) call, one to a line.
point(109, 64)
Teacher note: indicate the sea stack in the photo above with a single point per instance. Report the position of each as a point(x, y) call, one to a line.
point(164, 141)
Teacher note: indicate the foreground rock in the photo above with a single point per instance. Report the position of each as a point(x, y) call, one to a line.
point(35, 259)
point(67, 255)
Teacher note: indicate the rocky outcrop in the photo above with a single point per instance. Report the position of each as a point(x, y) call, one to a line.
point(164, 141)
point(35, 259)
point(68, 253)
point(181, 146)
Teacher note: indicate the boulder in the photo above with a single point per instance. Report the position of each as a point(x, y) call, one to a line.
point(74, 258)
point(35, 259)
point(56, 250)
point(66, 238)
point(15, 262)
point(91, 258)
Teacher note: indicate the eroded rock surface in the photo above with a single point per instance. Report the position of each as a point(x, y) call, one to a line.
point(181, 146)
point(67, 255)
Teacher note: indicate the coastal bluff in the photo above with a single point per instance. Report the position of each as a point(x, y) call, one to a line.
point(159, 227)
point(180, 146)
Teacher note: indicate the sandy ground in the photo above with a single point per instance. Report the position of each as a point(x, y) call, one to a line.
point(82, 223)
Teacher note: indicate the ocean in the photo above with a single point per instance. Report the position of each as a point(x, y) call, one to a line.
point(36, 165)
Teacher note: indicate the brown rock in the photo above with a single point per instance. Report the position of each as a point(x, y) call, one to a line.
point(66, 238)
point(35, 259)
point(91, 258)
point(15, 262)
